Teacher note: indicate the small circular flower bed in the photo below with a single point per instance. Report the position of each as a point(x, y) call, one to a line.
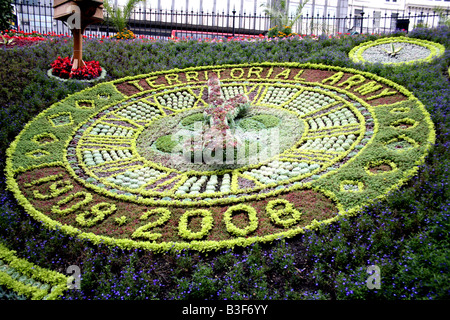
point(316, 142)
point(61, 69)
point(396, 50)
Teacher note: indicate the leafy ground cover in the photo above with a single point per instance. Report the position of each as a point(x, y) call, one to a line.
point(406, 235)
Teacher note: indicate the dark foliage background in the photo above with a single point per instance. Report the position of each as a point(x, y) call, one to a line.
point(6, 14)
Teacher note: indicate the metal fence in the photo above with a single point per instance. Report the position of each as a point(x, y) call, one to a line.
point(32, 15)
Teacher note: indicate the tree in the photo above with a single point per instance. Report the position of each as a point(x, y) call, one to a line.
point(444, 18)
point(278, 12)
point(6, 14)
point(119, 16)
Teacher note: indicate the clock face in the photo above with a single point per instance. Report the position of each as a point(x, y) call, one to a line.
point(396, 51)
point(116, 162)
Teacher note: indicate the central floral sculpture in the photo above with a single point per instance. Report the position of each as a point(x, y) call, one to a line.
point(217, 133)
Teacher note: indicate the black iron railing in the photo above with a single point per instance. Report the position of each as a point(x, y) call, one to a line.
point(32, 15)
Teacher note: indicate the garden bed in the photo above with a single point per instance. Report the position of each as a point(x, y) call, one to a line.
point(379, 132)
point(339, 122)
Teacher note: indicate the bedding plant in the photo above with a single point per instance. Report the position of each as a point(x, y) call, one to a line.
point(62, 68)
point(404, 231)
point(10, 38)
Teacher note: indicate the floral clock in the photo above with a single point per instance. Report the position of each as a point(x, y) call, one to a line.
point(315, 142)
point(396, 51)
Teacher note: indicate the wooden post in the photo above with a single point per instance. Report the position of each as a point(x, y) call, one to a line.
point(87, 12)
point(77, 58)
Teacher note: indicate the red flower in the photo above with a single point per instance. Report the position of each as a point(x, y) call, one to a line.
point(62, 67)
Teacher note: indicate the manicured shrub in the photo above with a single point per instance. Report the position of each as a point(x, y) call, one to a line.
point(190, 121)
point(267, 120)
point(166, 143)
point(6, 14)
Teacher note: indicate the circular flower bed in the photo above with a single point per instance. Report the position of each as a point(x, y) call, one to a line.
point(319, 142)
point(396, 50)
point(62, 69)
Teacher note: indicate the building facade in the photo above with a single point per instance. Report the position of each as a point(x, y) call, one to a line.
point(398, 14)
point(247, 16)
point(338, 15)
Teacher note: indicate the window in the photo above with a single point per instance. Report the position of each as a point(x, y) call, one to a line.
point(394, 17)
point(376, 19)
point(358, 17)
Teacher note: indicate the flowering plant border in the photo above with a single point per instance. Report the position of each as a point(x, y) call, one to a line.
point(52, 283)
point(232, 228)
point(275, 214)
point(207, 224)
